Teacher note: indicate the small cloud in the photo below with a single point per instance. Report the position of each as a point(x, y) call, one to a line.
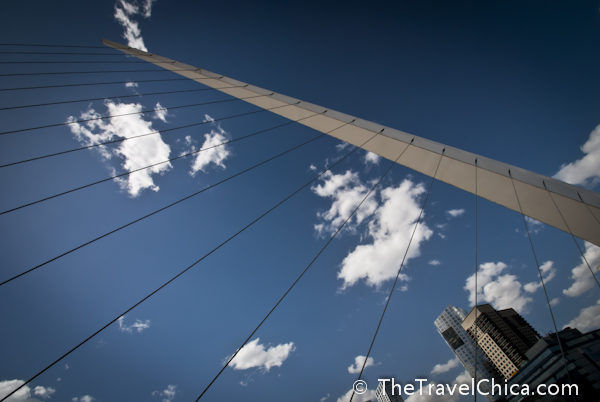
point(85, 398)
point(124, 11)
point(441, 225)
point(340, 147)
point(435, 262)
point(555, 301)
point(131, 85)
point(534, 225)
point(167, 394)
point(59, 379)
point(454, 213)
point(443, 368)
point(358, 364)
point(214, 154)
point(583, 279)
point(139, 325)
point(160, 112)
point(254, 355)
point(584, 171)
point(312, 167)
point(404, 288)
point(43, 392)
point(66, 366)
point(325, 398)
point(371, 158)
point(588, 318)
point(443, 236)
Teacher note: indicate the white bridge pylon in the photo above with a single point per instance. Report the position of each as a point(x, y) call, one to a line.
point(556, 203)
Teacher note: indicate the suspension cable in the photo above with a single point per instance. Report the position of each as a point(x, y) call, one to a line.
point(476, 269)
point(94, 83)
point(33, 45)
point(399, 269)
point(311, 263)
point(96, 72)
point(562, 352)
point(141, 135)
point(185, 270)
point(130, 114)
point(157, 211)
point(78, 62)
point(113, 97)
point(147, 167)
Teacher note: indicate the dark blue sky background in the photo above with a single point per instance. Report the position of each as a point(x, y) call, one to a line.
point(513, 81)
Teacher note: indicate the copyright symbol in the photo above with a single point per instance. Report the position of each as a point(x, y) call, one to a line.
point(360, 387)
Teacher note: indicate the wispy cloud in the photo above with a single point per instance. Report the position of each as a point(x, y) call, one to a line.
point(534, 225)
point(214, 154)
point(372, 159)
point(358, 364)
point(443, 368)
point(138, 325)
point(124, 12)
point(584, 171)
point(435, 262)
point(167, 394)
point(85, 398)
point(581, 275)
point(454, 213)
point(548, 272)
point(325, 398)
point(588, 318)
point(255, 355)
point(136, 153)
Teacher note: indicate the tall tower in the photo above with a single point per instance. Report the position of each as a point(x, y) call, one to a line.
point(449, 326)
point(387, 393)
point(504, 336)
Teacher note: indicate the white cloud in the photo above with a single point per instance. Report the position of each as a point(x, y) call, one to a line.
point(124, 11)
point(548, 272)
point(139, 325)
point(443, 368)
point(167, 394)
point(341, 146)
point(312, 167)
point(588, 319)
point(148, 8)
point(347, 191)
point(24, 394)
point(584, 171)
point(441, 225)
point(435, 262)
point(137, 153)
point(534, 225)
point(160, 112)
point(501, 291)
point(391, 228)
point(455, 212)
point(254, 354)
point(463, 378)
point(555, 301)
point(85, 398)
point(67, 366)
point(43, 392)
point(325, 398)
point(581, 275)
point(372, 158)
point(131, 85)
point(369, 395)
point(214, 154)
point(358, 364)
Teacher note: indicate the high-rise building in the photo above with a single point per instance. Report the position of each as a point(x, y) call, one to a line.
point(449, 326)
point(504, 336)
point(545, 365)
point(387, 393)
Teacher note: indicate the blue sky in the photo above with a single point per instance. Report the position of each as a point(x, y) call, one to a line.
point(513, 82)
